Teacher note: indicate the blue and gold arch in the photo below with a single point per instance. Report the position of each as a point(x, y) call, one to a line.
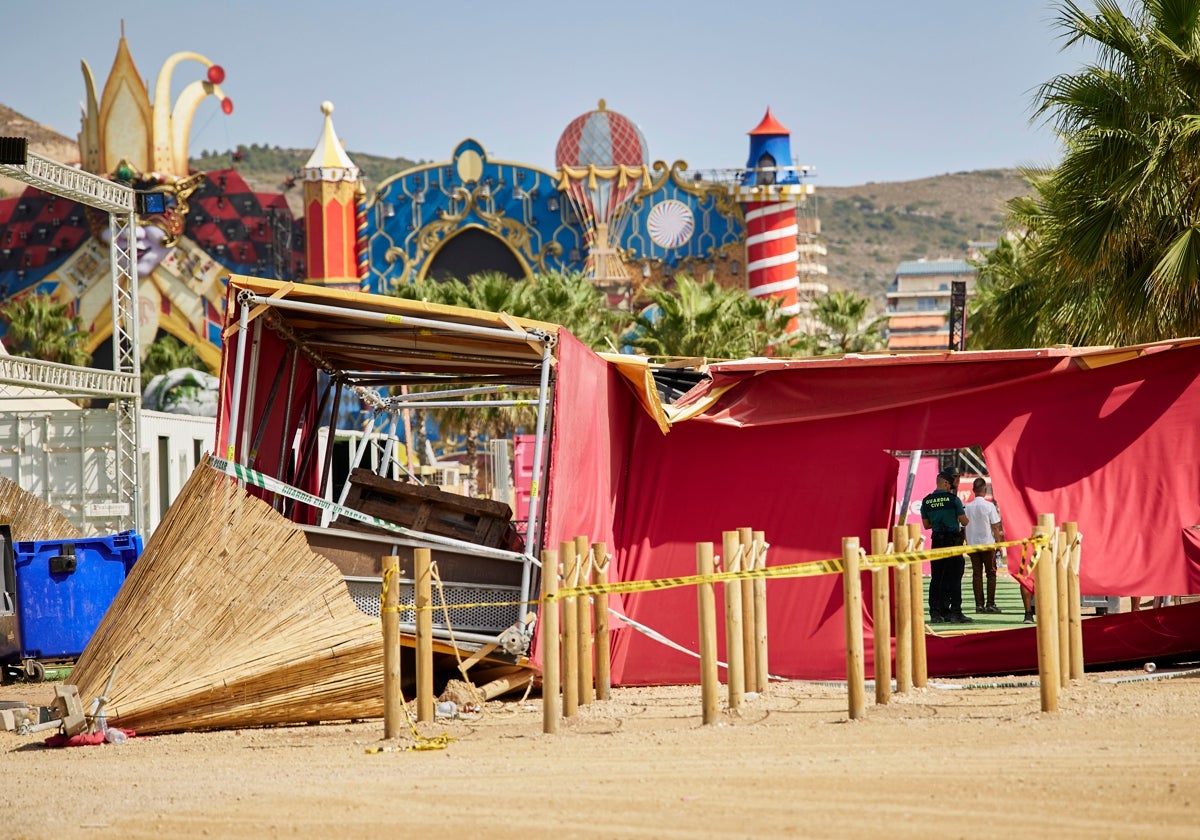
point(420, 216)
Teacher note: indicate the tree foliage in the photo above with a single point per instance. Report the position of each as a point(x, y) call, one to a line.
point(845, 325)
point(1111, 236)
point(39, 328)
point(168, 354)
point(704, 320)
point(568, 299)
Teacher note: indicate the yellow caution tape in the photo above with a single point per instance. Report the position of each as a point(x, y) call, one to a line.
point(812, 568)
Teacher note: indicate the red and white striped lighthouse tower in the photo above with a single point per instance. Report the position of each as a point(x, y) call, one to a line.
point(769, 189)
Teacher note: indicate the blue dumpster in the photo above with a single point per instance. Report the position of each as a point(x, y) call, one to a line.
point(64, 587)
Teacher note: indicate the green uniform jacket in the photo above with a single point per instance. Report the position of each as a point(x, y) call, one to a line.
point(942, 508)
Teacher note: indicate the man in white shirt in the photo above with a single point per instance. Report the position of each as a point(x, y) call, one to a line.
point(983, 527)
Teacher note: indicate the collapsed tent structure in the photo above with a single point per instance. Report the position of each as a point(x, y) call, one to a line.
point(799, 449)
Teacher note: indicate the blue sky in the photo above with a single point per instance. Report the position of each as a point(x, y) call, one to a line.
point(876, 90)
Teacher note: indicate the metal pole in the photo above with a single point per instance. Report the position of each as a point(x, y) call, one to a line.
point(914, 461)
point(391, 401)
point(251, 404)
point(238, 365)
point(356, 461)
point(330, 439)
point(533, 534)
point(286, 451)
point(389, 448)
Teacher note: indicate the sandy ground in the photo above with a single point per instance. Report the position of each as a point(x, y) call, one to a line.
point(957, 758)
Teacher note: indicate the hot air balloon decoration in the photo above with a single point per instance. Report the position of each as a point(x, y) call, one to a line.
point(602, 163)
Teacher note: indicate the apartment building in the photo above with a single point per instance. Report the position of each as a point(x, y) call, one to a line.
point(918, 303)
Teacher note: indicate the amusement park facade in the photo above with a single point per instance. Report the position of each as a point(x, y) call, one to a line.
point(606, 209)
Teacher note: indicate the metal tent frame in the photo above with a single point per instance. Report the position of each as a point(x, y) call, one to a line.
point(369, 342)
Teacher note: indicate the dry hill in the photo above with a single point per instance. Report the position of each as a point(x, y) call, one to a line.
point(870, 229)
point(42, 140)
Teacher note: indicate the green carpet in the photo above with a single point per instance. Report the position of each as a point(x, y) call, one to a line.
point(1008, 599)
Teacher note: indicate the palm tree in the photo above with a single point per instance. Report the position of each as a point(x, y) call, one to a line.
point(705, 320)
point(1113, 232)
point(38, 328)
point(1004, 311)
point(570, 299)
point(845, 325)
point(490, 291)
point(168, 354)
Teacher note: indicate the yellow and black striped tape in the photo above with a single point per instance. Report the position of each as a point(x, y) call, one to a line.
point(812, 568)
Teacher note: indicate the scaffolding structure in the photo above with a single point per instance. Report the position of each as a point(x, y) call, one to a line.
point(123, 385)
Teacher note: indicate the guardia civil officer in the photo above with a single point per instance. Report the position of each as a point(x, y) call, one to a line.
point(943, 513)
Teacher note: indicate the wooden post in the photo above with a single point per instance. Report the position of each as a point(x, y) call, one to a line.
point(916, 585)
point(900, 577)
point(583, 607)
point(746, 539)
point(1045, 581)
point(423, 601)
point(762, 673)
point(707, 608)
point(1064, 609)
point(600, 621)
point(1071, 529)
point(570, 622)
point(393, 696)
point(852, 604)
point(734, 652)
point(882, 615)
point(550, 643)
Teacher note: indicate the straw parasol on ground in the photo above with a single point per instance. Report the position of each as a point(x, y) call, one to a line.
point(30, 518)
point(227, 620)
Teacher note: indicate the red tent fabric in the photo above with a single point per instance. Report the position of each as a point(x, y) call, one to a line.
point(277, 373)
point(798, 449)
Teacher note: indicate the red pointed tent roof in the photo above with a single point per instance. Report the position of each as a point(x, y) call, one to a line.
point(769, 125)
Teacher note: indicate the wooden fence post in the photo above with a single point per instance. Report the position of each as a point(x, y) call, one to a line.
point(882, 615)
point(1064, 609)
point(706, 603)
point(901, 578)
point(550, 643)
point(735, 672)
point(423, 601)
point(852, 603)
point(916, 584)
point(570, 622)
point(583, 608)
point(393, 696)
point(746, 539)
point(600, 621)
point(762, 673)
point(1076, 620)
point(1045, 581)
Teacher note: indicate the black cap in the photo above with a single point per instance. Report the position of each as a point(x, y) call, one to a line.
point(948, 475)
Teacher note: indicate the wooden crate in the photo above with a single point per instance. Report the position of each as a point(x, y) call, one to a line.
point(430, 510)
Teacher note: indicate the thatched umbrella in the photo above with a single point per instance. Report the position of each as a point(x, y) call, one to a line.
point(30, 518)
point(228, 619)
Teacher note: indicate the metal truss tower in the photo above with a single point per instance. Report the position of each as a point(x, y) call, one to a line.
point(123, 386)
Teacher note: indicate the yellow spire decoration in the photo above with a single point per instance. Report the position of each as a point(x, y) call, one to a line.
point(121, 128)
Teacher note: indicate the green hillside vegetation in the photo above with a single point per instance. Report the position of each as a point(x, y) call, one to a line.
point(269, 168)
